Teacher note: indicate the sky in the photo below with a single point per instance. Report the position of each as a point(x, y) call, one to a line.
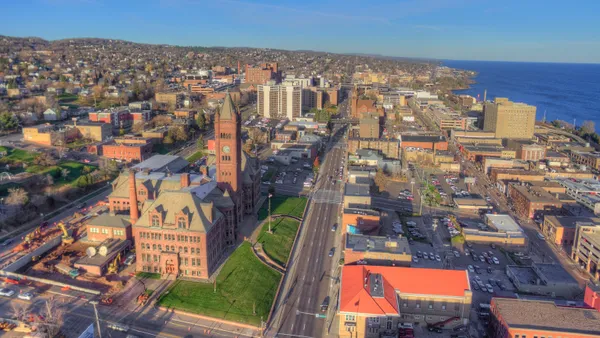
point(506, 30)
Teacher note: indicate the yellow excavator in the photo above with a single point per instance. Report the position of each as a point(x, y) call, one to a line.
point(114, 266)
point(66, 238)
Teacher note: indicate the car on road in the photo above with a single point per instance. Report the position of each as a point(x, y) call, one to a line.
point(415, 259)
point(431, 256)
point(118, 327)
point(456, 254)
point(489, 288)
point(496, 261)
point(419, 254)
point(334, 227)
point(7, 292)
point(438, 258)
point(325, 304)
point(331, 252)
point(25, 296)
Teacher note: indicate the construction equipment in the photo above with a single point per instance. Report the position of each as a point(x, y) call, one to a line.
point(113, 267)
point(66, 238)
point(144, 296)
point(66, 270)
point(106, 300)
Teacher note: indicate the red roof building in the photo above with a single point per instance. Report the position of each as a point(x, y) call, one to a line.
point(377, 299)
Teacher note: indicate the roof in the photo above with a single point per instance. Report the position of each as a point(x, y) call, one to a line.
point(570, 221)
point(228, 110)
point(202, 215)
point(356, 189)
point(535, 194)
point(114, 247)
point(170, 163)
point(553, 273)
point(423, 138)
point(545, 315)
point(396, 245)
point(357, 296)
point(108, 220)
point(503, 223)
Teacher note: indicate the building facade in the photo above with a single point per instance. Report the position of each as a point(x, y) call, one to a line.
point(279, 101)
point(262, 74)
point(508, 119)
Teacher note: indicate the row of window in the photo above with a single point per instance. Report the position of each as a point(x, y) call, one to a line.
point(184, 261)
point(171, 248)
point(106, 231)
point(169, 237)
point(157, 269)
point(225, 136)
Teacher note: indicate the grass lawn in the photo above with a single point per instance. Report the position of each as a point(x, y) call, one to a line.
point(243, 282)
point(75, 170)
point(279, 244)
point(195, 156)
point(148, 275)
point(283, 205)
point(17, 155)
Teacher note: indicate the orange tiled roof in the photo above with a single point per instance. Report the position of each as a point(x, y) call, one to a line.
point(355, 295)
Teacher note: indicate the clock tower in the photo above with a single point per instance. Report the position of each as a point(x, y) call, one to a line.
point(228, 153)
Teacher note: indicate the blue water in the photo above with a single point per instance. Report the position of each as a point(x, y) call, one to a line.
point(565, 91)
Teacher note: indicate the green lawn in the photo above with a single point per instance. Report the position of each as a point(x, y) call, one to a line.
point(14, 155)
point(243, 282)
point(283, 205)
point(279, 244)
point(75, 170)
point(195, 156)
point(148, 275)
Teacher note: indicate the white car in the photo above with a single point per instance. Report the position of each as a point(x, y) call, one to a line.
point(471, 269)
point(456, 254)
point(118, 327)
point(415, 259)
point(25, 296)
point(496, 261)
point(489, 288)
point(7, 292)
point(437, 258)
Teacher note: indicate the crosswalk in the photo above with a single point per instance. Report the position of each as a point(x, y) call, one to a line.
point(327, 196)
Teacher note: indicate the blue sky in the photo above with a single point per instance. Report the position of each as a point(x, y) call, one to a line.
point(505, 30)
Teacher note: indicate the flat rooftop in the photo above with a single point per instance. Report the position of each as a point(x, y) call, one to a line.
point(544, 315)
point(503, 223)
point(351, 189)
point(524, 274)
point(170, 163)
point(554, 273)
point(357, 211)
point(580, 185)
point(570, 221)
point(535, 194)
point(422, 138)
point(483, 148)
point(393, 245)
point(471, 201)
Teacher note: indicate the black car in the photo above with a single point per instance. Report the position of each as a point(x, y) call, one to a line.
point(432, 328)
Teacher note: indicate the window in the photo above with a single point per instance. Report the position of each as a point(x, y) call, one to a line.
point(155, 221)
point(153, 246)
point(118, 232)
point(373, 330)
point(350, 318)
point(389, 323)
point(181, 223)
point(405, 304)
point(105, 231)
point(373, 320)
point(185, 261)
point(160, 247)
point(193, 261)
point(418, 305)
point(444, 306)
point(430, 306)
point(185, 250)
point(94, 230)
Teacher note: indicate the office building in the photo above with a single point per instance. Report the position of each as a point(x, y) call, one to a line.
point(262, 74)
point(510, 120)
point(279, 102)
point(377, 250)
point(369, 126)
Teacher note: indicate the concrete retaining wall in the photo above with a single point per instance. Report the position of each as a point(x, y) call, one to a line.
point(21, 262)
point(47, 281)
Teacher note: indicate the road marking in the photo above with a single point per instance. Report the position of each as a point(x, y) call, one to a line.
point(309, 299)
point(292, 326)
point(304, 327)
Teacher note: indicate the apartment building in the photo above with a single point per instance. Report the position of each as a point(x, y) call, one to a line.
point(527, 150)
point(262, 74)
point(369, 126)
point(374, 300)
point(389, 147)
point(446, 118)
point(279, 102)
point(315, 97)
point(510, 120)
point(119, 118)
point(524, 318)
point(169, 101)
point(527, 200)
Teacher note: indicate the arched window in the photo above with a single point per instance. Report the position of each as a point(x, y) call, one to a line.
point(181, 223)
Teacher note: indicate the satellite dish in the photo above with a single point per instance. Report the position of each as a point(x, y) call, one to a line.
point(91, 251)
point(103, 250)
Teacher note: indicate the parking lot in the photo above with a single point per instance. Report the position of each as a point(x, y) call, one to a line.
point(292, 179)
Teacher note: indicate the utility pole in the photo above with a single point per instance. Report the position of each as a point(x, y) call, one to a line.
point(94, 303)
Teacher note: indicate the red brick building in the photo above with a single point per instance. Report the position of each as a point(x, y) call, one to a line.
point(528, 200)
point(262, 74)
point(129, 149)
point(424, 142)
point(183, 223)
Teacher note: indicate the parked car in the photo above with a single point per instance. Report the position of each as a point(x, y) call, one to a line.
point(489, 288)
point(25, 296)
point(496, 261)
point(7, 292)
point(130, 259)
point(471, 269)
point(118, 327)
point(331, 252)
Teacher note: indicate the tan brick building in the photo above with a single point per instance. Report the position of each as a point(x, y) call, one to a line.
point(377, 250)
point(508, 119)
point(52, 135)
point(262, 74)
point(528, 200)
point(389, 147)
point(168, 101)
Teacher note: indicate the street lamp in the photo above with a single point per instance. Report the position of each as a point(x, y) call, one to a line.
point(94, 303)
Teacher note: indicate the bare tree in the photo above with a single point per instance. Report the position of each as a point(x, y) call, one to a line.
point(588, 127)
point(17, 197)
point(52, 317)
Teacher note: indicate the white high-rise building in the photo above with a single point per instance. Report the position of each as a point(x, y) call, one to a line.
point(279, 101)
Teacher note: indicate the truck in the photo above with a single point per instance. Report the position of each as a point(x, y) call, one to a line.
point(66, 270)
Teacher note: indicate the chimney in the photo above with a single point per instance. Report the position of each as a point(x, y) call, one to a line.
point(204, 170)
point(185, 180)
point(134, 213)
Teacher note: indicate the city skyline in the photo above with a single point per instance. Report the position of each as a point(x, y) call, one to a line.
point(438, 29)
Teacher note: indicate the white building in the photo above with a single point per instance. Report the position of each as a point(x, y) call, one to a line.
point(279, 101)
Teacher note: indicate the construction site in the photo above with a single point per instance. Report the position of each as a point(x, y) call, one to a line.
point(62, 257)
